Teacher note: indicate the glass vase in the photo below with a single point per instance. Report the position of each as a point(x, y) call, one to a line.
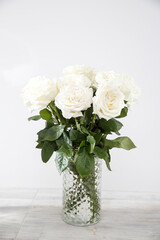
point(82, 196)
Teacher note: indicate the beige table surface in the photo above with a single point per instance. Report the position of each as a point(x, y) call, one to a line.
point(35, 214)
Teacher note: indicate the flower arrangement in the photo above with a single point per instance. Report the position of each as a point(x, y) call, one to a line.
point(80, 110)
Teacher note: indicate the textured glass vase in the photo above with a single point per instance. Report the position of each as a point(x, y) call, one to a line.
point(82, 196)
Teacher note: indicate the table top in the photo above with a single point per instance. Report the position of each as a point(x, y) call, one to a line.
point(35, 214)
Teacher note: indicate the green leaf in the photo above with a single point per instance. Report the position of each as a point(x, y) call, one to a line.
point(85, 162)
point(78, 125)
point(103, 124)
point(107, 160)
point(60, 142)
point(49, 123)
point(76, 136)
point(123, 113)
point(92, 142)
point(63, 156)
point(47, 151)
point(57, 113)
point(34, 118)
point(67, 150)
point(85, 130)
point(111, 125)
point(108, 165)
point(61, 161)
point(41, 134)
point(54, 132)
point(86, 118)
point(114, 125)
point(70, 121)
point(97, 137)
point(82, 144)
point(100, 152)
point(40, 145)
point(45, 114)
point(75, 156)
point(66, 138)
point(103, 154)
point(121, 142)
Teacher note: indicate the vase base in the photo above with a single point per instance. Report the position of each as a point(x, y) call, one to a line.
point(80, 224)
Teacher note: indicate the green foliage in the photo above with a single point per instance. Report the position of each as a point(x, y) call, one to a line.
point(92, 142)
point(86, 118)
point(66, 138)
point(85, 162)
point(45, 114)
point(108, 164)
point(34, 118)
point(100, 152)
point(66, 150)
point(97, 137)
point(47, 150)
point(60, 142)
point(78, 125)
point(49, 123)
point(77, 141)
point(82, 144)
point(57, 113)
point(61, 161)
point(41, 134)
point(40, 145)
point(63, 156)
point(121, 142)
point(53, 133)
point(84, 130)
point(76, 136)
point(123, 113)
point(103, 154)
point(110, 126)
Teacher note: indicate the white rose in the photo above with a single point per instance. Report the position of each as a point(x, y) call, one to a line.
point(81, 69)
point(73, 79)
point(71, 100)
point(108, 102)
point(39, 92)
point(129, 89)
point(111, 77)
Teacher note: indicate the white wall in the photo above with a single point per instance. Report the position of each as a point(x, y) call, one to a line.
point(41, 37)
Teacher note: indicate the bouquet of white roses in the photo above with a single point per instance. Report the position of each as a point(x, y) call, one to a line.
point(80, 110)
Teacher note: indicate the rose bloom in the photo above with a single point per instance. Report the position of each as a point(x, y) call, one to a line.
point(39, 92)
point(108, 102)
point(73, 99)
point(110, 77)
point(124, 82)
point(129, 88)
point(73, 79)
point(83, 70)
